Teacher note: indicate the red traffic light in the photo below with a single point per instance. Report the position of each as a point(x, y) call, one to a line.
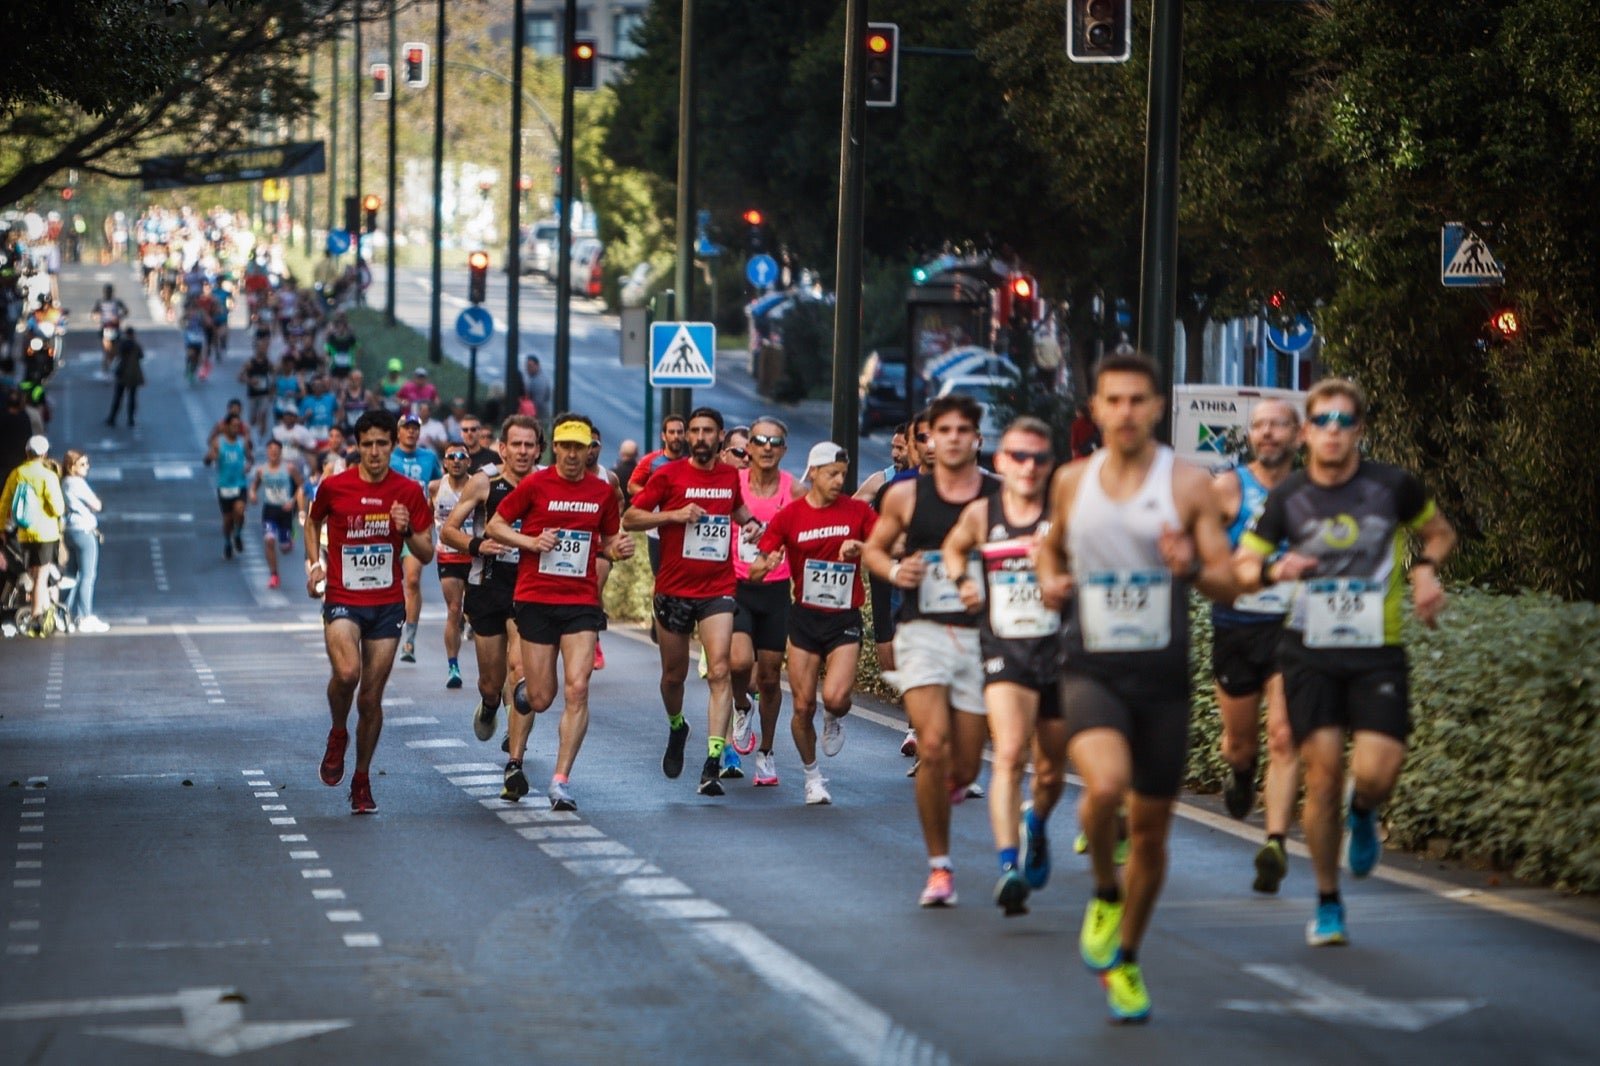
point(754, 217)
point(478, 260)
point(1505, 323)
point(68, 193)
point(1276, 299)
point(583, 50)
point(877, 43)
point(1022, 287)
point(414, 56)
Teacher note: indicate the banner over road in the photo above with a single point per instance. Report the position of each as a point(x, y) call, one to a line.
point(240, 164)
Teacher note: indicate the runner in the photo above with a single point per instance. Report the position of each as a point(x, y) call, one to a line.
point(818, 538)
point(422, 466)
point(1244, 639)
point(674, 445)
point(1017, 635)
point(477, 441)
point(229, 452)
point(491, 580)
point(937, 668)
point(915, 458)
point(700, 507)
point(111, 311)
point(562, 520)
point(369, 512)
point(1130, 531)
point(454, 564)
point(277, 485)
point(761, 623)
point(1344, 667)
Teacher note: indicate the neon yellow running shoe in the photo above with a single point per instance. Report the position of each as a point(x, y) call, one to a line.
point(1126, 995)
point(1120, 856)
point(1099, 941)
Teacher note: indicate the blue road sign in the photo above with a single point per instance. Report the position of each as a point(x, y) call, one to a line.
point(1294, 339)
point(762, 270)
point(475, 326)
point(338, 241)
point(683, 355)
point(1465, 261)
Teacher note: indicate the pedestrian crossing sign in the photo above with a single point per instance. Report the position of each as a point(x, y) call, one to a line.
point(1465, 261)
point(683, 355)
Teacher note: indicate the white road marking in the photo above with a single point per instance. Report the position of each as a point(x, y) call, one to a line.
point(439, 743)
point(327, 893)
point(344, 916)
point(1329, 1001)
point(362, 940)
point(416, 719)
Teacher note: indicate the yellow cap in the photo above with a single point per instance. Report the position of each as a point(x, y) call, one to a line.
point(574, 431)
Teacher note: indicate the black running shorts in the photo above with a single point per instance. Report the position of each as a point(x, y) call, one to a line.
point(547, 623)
point(761, 612)
point(376, 623)
point(819, 632)
point(1352, 688)
point(1157, 730)
point(680, 614)
point(488, 607)
point(1031, 663)
point(1244, 656)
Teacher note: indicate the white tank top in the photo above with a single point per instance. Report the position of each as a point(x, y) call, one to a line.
point(1106, 534)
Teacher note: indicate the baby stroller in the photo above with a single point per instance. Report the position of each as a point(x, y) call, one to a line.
point(16, 593)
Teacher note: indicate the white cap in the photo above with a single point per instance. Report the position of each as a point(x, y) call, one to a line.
point(38, 445)
point(825, 453)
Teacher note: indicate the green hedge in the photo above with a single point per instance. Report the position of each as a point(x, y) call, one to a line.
point(1504, 764)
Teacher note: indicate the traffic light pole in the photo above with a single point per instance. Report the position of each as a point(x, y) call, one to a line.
point(561, 387)
point(1158, 270)
point(357, 81)
point(678, 401)
point(519, 32)
point(847, 270)
point(389, 189)
point(435, 327)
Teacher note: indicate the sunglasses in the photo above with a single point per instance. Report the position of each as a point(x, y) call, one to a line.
point(455, 455)
point(923, 438)
point(738, 453)
point(765, 441)
point(1334, 419)
point(1039, 458)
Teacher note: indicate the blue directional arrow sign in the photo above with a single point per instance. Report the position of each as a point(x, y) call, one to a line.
point(761, 271)
point(683, 355)
point(338, 241)
point(475, 326)
point(1291, 340)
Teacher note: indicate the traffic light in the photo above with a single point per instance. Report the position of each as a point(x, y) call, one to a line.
point(1022, 296)
point(1099, 31)
point(381, 89)
point(883, 64)
point(415, 54)
point(68, 192)
point(369, 206)
point(1505, 324)
point(585, 51)
point(477, 277)
point(352, 216)
point(756, 237)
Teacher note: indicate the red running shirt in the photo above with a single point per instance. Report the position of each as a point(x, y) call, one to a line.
point(363, 546)
point(697, 558)
point(585, 512)
point(811, 538)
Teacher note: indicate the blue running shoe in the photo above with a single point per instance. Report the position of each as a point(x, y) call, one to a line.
point(1035, 851)
point(1327, 928)
point(1364, 848)
point(732, 768)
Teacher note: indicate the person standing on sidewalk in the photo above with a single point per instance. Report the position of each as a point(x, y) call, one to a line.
point(83, 544)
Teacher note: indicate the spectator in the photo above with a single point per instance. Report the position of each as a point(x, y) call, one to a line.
point(452, 422)
point(494, 410)
point(83, 544)
point(391, 384)
point(536, 387)
point(1085, 435)
point(38, 520)
point(627, 459)
point(418, 390)
point(434, 434)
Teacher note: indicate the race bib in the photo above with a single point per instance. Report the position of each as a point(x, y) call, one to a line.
point(1016, 607)
point(1344, 612)
point(275, 496)
point(1126, 610)
point(938, 594)
point(570, 555)
point(1274, 599)
point(828, 586)
point(749, 551)
point(366, 567)
point(229, 494)
point(707, 540)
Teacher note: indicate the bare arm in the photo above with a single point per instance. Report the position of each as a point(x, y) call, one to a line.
point(877, 554)
point(869, 488)
point(453, 534)
point(1199, 551)
point(1427, 594)
point(965, 535)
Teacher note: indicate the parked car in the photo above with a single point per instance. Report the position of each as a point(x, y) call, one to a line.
point(882, 390)
point(538, 247)
point(990, 390)
point(587, 256)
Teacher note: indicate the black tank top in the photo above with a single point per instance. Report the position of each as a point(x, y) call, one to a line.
point(932, 518)
point(496, 568)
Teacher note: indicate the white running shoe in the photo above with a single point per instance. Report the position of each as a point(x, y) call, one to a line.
point(766, 770)
point(744, 731)
point(832, 734)
point(90, 624)
point(817, 790)
point(908, 746)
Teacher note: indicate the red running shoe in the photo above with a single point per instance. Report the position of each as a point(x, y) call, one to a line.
point(272, 582)
point(361, 801)
point(333, 759)
point(599, 656)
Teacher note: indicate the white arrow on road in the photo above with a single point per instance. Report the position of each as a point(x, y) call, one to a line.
point(1330, 1002)
point(213, 1021)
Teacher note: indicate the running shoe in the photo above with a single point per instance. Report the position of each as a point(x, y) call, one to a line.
point(1126, 995)
point(976, 791)
point(710, 771)
point(832, 734)
point(238, 542)
point(744, 730)
point(1080, 844)
point(940, 891)
point(516, 785)
point(361, 801)
point(454, 679)
point(766, 770)
point(1327, 928)
point(1363, 849)
point(272, 581)
point(1035, 852)
point(90, 624)
point(408, 652)
point(705, 664)
point(732, 768)
point(227, 549)
point(916, 764)
point(908, 746)
point(333, 757)
point(1100, 939)
point(599, 655)
point(483, 721)
point(817, 791)
point(1239, 794)
point(672, 761)
point(1272, 865)
point(561, 797)
point(1011, 893)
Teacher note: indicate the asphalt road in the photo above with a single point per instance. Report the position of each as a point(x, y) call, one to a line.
point(183, 885)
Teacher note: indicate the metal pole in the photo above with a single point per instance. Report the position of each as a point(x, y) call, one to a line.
point(472, 378)
point(519, 36)
point(311, 129)
point(357, 80)
point(561, 388)
point(1158, 269)
point(435, 340)
point(847, 270)
point(679, 401)
point(389, 191)
point(333, 141)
